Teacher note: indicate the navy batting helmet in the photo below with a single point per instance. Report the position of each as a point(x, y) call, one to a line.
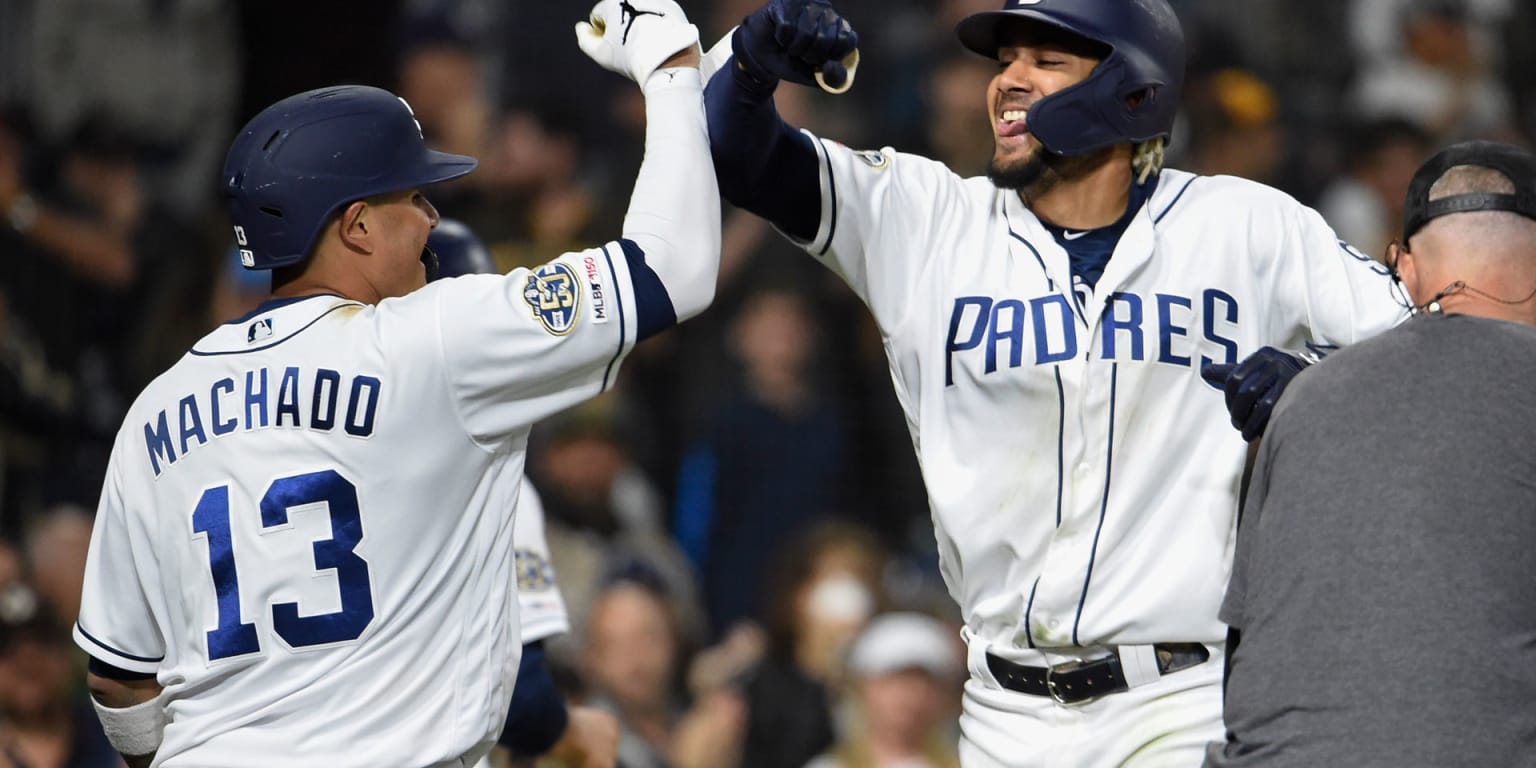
point(1131, 96)
point(306, 157)
point(458, 251)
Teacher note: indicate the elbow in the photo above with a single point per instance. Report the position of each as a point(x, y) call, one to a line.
point(691, 287)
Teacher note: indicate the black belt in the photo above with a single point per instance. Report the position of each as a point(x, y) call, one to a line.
point(1078, 681)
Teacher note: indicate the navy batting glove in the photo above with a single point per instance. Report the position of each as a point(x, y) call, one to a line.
point(794, 40)
point(1254, 386)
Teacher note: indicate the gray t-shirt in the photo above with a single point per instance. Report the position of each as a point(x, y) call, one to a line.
point(1385, 574)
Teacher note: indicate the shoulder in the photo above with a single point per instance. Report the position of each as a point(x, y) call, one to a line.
point(888, 159)
point(1180, 193)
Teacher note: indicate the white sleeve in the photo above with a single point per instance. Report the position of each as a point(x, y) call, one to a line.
point(674, 212)
point(880, 217)
point(1342, 295)
point(541, 610)
point(116, 624)
point(518, 347)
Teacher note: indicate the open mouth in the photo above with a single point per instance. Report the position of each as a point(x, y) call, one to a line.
point(1012, 124)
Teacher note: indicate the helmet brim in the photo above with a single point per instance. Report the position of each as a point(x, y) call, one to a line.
point(978, 32)
point(438, 167)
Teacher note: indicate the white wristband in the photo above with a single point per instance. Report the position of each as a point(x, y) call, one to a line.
point(135, 730)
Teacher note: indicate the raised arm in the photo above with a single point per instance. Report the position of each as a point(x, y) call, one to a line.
point(794, 40)
point(672, 230)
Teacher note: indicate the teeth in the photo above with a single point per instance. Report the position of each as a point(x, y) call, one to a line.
point(1013, 114)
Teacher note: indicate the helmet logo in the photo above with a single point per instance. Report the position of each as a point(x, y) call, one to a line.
point(247, 256)
point(412, 113)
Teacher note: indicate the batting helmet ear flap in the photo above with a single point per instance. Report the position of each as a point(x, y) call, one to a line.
point(1105, 109)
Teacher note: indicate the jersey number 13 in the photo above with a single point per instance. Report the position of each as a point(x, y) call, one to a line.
point(211, 518)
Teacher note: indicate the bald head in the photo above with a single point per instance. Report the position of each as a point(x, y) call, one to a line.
point(1493, 252)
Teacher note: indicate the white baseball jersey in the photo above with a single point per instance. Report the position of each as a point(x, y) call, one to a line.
point(1082, 477)
point(306, 528)
point(539, 605)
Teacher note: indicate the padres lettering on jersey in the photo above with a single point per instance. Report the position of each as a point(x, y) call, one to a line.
point(1054, 427)
point(996, 329)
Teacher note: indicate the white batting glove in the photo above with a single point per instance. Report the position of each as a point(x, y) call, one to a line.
point(634, 37)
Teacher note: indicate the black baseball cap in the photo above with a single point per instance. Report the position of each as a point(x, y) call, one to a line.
point(1517, 164)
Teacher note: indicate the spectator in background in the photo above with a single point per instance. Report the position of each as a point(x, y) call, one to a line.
point(1519, 63)
point(167, 71)
point(69, 221)
point(825, 588)
point(10, 568)
point(957, 129)
point(1234, 128)
point(56, 545)
point(440, 77)
point(45, 721)
point(1365, 205)
point(770, 465)
point(632, 657)
point(905, 671)
point(530, 195)
point(602, 511)
point(1439, 79)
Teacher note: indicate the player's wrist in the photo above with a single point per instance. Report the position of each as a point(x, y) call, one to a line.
point(673, 79)
point(750, 71)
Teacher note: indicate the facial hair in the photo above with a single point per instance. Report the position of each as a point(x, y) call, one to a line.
point(1044, 170)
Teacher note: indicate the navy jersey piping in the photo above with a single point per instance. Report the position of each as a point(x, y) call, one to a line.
point(826, 159)
point(623, 332)
point(1061, 431)
point(104, 646)
point(279, 341)
point(276, 303)
point(1029, 637)
point(1109, 466)
point(1159, 217)
point(1077, 307)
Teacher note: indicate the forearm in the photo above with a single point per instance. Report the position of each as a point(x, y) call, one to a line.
point(748, 138)
point(129, 716)
point(674, 214)
point(88, 250)
point(536, 717)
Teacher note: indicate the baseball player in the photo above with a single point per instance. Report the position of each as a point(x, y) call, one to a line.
point(302, 554)
point(1046, 327)
point(538, 721)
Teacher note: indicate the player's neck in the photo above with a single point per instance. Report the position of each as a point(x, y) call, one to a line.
point(1095, 198)
point(321, 277)
point(1475, 306)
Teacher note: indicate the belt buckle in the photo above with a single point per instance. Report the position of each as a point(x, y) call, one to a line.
point(1050, 682)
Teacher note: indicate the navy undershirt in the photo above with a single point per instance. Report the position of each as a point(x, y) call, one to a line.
point(1089, 250)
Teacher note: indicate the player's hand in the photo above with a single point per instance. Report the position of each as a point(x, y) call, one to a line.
point(636, 37)
point(1254, 386)
point(591, 740)
point(802, 41)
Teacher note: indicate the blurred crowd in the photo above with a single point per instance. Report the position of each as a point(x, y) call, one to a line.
point(739, 528)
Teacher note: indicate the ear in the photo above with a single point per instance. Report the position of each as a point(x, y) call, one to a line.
point(1407, 267)
point(355, 226)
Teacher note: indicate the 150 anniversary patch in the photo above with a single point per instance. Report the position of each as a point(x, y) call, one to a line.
point(553, 293)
